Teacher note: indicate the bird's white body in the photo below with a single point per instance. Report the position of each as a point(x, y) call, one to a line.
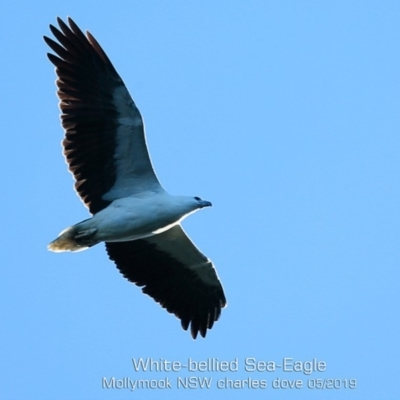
point(129, 218)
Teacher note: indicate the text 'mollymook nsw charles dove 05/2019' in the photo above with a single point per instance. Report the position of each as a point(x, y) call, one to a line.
point(139, 222)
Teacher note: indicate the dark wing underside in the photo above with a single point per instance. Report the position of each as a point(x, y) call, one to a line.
point(192, 292)
point(93, 102)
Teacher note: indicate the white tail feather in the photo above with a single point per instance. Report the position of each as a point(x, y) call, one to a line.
point(66, 242)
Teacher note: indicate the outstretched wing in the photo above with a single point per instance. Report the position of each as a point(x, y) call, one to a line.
point(104, 143)
point(175, 274)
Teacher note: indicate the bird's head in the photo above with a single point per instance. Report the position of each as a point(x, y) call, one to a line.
point(188, 204)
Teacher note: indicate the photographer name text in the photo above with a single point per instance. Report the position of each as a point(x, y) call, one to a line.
point(246, 373)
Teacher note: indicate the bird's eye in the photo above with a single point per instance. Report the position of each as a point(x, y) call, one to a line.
point(197, 198)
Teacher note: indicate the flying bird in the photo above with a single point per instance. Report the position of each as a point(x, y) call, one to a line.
point(139, 222)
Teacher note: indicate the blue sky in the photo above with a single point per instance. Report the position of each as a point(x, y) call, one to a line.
point(286, 116)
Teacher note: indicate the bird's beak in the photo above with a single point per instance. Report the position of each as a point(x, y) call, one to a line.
point(205, 203)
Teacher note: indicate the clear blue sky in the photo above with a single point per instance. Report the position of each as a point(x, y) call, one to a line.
point(286, 116)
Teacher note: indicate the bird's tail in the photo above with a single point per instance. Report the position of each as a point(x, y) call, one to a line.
point(71, 239)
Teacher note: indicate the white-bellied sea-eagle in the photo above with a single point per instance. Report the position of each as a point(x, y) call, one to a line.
point(105, 149)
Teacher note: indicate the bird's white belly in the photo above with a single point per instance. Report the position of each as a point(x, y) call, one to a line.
point(130, 220)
